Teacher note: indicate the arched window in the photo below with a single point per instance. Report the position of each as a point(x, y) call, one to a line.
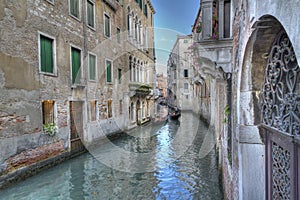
point(134, 69)
point(136, 28)
point(128, 20)
point(138, 72)
point(146, 10)
point(130, 68)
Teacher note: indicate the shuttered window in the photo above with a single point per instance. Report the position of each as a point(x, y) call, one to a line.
point(48, 111)
point(76, 62)
point(74, 8)
point(92, 66)
point(109, 109)
point(141, 4)
point(108, 71)
point(90, 14)
point(46, 54)
point(118, 35)
point(107, 25)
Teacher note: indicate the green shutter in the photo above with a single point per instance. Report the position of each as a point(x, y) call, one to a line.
point(75, 65)
point(74, 7)
point(108, 71)
point(90, 10)
point(92, 67)
point(46, 54)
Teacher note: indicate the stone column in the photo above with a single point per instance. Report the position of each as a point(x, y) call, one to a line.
point(206, 7)
point(221, 19)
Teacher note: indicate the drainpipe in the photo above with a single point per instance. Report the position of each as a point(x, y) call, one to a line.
point(85, 71)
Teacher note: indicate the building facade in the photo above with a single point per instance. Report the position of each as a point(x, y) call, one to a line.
point(162, 85)
point(247, 53)
point(180, 74)
point(70, 72)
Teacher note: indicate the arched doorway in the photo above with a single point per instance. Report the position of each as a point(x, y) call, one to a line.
point(281, 119)
point(268, 82)
point(138, 112)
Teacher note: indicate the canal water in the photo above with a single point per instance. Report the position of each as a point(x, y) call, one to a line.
point(160, 161)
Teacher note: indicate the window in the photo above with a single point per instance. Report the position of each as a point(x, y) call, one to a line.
point(74, 8)
point(141, 4)
point(121, 107)
point(47, 54)
point(90, 14)
point(132, 112)
point(186, 73)
point(186, 86)
point(146, 10)
point(92, 67)
point(185, 41)
point(118, 35)
point(75, 63)
point(119, 75)
point(109, 108)
point(93, 108)
point(227, 18)
point(48, 111)
point(106, 25)
point(108, 71)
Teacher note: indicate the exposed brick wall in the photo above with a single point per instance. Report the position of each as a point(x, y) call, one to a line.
point(31, 156)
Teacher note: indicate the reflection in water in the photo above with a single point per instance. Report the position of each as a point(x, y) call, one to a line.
point(174, 175)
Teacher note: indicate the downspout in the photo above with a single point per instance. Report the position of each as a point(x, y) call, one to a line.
point(85, 68)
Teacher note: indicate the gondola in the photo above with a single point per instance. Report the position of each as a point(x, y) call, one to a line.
point(174, 115)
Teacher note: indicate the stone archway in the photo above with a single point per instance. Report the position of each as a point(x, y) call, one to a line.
point(251, 135)
point(281, 119)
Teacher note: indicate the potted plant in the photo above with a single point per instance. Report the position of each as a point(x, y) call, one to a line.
point(50, 129)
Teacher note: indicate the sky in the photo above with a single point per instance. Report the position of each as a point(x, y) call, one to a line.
point(172, 18)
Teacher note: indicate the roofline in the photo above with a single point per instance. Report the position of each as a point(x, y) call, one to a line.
point(196, 20)
point(151, 6)
point(181, 37)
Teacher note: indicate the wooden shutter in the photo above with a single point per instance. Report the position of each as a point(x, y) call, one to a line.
point(90, 13)
point(108, 71)
point(92, 67)
point(75, 65)
point(46, 54)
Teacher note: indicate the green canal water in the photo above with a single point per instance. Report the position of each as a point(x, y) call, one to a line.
point(161, 161)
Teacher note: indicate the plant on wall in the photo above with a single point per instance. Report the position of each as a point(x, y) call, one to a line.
point(199, 27)
point(50, 129)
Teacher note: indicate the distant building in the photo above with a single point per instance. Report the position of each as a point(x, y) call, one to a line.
point(180, 74)
point(162, 85)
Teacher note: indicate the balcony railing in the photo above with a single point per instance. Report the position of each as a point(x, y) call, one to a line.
point(140, 89)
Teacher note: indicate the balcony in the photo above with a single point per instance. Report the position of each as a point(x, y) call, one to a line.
point(139, 89)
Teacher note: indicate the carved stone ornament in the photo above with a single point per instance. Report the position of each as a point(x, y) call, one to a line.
point(280, 93)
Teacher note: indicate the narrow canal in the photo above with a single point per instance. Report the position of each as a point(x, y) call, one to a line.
point(163, 163)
